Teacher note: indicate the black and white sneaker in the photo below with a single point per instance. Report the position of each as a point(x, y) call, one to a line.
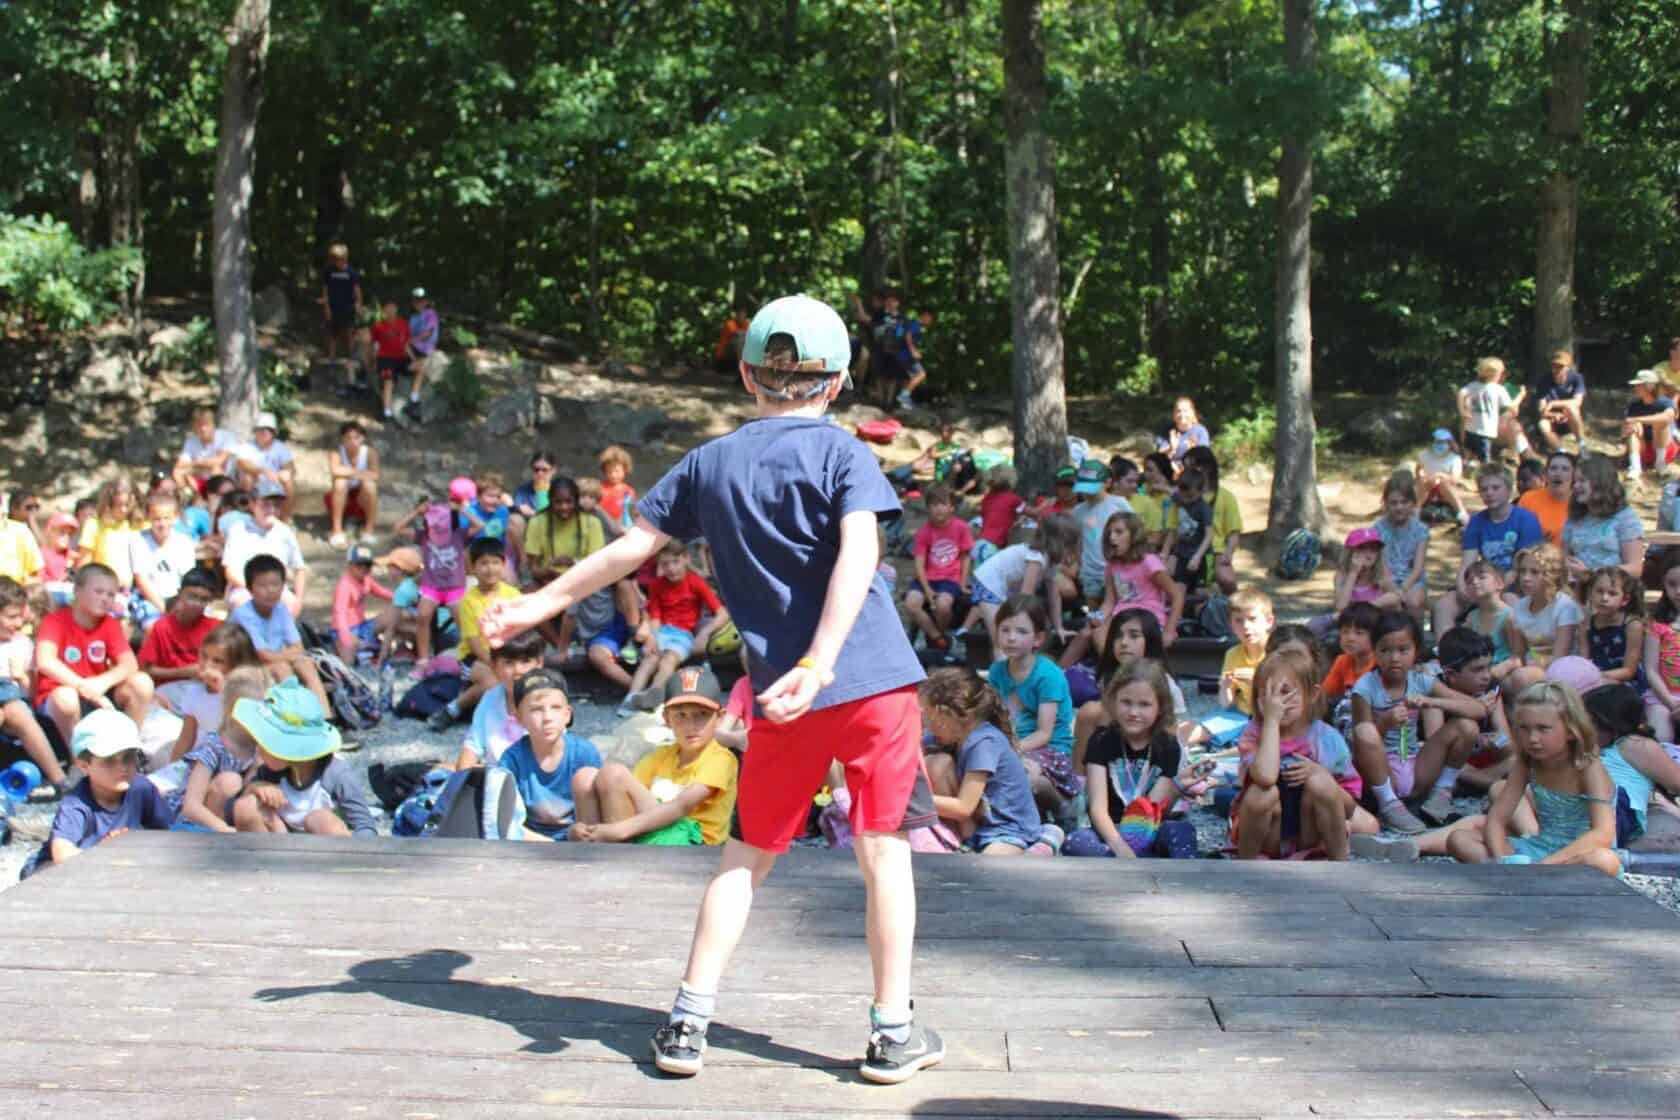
point(887, 1062)
point(678, 1048)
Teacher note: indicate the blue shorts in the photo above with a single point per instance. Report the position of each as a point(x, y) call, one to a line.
point(366, 632)
point(984, 594)
point(615, 636)
point(10, 690)
point(674, 639)
point(948, 587)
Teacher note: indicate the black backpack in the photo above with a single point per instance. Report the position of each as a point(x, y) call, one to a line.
point(430, 696)
point(355, 705)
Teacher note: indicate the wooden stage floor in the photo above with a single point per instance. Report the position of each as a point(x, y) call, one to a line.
point(171, 975)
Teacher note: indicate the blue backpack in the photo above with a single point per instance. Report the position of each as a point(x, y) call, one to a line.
point(477, 804)
point(1300, 555)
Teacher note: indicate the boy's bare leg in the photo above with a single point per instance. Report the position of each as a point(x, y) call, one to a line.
point(620, 795)
point(20, 721)
point(884, 858)
point(724, 909)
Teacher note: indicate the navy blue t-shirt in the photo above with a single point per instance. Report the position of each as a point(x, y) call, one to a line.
point(85, 822)
point(1574, 385)
point(768, 499)
point(341, 287)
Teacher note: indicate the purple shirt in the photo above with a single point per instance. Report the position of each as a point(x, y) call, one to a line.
point(443, 566)
point(423, 331)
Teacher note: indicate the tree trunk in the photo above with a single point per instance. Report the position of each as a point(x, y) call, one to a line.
point(1295, 503)
point(1554, 264)
point(882, 237)
point(236, 154)
point(1034, 292)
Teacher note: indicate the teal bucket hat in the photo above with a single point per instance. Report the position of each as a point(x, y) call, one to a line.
point(288, 723)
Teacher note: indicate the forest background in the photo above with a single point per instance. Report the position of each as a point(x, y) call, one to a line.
point(621, 171)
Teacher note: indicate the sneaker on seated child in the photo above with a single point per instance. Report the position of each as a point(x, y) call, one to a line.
point(115, 798)
point(680, 794)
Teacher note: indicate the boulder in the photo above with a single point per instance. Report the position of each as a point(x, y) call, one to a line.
point(435, 407)
point(523, 410)
point(1384, 430)
point(269, 309)
point(26, 435)
point(623, 424)
point(613, 367)
point(111, 377)
point(167, 338)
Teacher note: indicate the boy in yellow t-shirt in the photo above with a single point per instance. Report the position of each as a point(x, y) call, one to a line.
point(487, 559)
point(679, 794)
point(1251, 621)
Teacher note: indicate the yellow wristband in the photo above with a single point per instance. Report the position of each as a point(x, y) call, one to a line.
point(806, 663)
point(825, 679)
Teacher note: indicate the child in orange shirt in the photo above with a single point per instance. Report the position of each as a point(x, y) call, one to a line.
point(618, 497)
point(1355, 624)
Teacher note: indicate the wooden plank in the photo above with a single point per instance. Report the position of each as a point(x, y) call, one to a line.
point(1518, 976)
point(535, 1079)
point(1216, 950)
point(1442, 1014)
point(1380, 878)
point(1582, 930)
point(1215, 1054)
point(1609, 908)
point(1624, 1094)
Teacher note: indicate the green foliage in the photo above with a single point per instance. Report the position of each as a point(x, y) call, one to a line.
point(461, 387)
point(196, 352)
point(49, 281)
point(1251, 437)
point(278, 388)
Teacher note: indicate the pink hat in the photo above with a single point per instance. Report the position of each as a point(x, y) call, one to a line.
point(462, 490)
point(1576, 672)
point(1360, 538)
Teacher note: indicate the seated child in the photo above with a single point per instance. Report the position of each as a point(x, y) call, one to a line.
point(352, 628)
point(17, 660)
point(680, 794)
point(1492, 617)
point(554, 770)
point(1299, 787)
point(59, 549)
point(1363, 576)
point(944, 566)
point(1393, 757)
point(737, 718)
point(495, 722)
point(159, 555)
point(982, 791)
point(1439, 474)
point(269, 623)
point(1558, 765)
point(299, 783)
point(1133, 633)
point(1251, 620)
point(1190, 529)
point(1036, 695)
point(1614, 636)
point(1135, 577)
point(1000, 509)
point(1354, 626)
point(1135, 759)
point(671, 628)
point(487, 557)
point(1545, 614)
point(83, 660)
point(1466, 660)
point(170, 652)
point(218, 765)
point(1045, 566)
point(199, 702)
point(115, 798)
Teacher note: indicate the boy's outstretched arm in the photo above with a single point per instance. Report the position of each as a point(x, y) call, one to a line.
point(854, 570)
point(600, 569)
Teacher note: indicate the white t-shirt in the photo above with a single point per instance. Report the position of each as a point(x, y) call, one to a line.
point(247, 541)
point(1006, 569)
point(1539, 627)
point(17, 659)
point(162, 565)
point(195, 449)
point(1093, 518)
point(204, 706)
point(1487, 401)
point(1449, 464)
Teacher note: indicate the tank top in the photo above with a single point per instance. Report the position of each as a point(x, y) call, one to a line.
point(359, 465)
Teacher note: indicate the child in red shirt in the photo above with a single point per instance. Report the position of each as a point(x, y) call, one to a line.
point(618, 497)
point(390, 343)
point(671, 628)
point(82, 657)
point(1001, 507)
point(170, 651)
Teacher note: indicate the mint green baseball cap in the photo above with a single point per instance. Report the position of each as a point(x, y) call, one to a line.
point(817, 332)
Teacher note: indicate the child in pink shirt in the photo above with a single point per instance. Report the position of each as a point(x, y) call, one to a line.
point(351, 627)
point(942, 549)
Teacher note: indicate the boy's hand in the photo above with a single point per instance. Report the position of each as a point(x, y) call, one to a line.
point(113, 834)
point(792, 694)
point(268, 795)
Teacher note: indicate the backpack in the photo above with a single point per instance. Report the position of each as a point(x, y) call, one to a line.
point(477, 804)
point(429, 696)
point(355, 705)
point(1299, 557)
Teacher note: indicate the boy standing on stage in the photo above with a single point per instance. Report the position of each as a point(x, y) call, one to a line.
point(788, 504)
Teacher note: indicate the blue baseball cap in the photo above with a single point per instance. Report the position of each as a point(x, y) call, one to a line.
point(288, 723)
point(818, 334)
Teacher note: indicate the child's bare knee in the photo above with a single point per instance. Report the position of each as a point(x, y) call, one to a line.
point(583, 782)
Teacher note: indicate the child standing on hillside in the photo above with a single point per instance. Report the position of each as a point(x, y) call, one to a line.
point(789, 504)
point(422, 339)
point(341, 306)
point(1488, 413)
point(390, 343)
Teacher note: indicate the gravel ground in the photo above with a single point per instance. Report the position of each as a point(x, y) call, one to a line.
point(405, 740)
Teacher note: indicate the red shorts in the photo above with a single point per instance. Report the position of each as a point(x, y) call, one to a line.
point(1648, 454)
point(878, 739)
point(353, 510)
